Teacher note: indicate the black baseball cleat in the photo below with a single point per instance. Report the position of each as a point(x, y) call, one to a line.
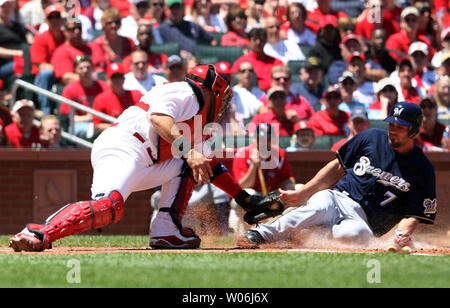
point(254, 237)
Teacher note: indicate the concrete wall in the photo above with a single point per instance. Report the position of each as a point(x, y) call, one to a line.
point(34, 183)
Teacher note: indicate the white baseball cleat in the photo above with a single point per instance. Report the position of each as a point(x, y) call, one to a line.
point(186, 239)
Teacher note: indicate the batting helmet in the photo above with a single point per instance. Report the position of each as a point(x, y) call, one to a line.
point(407, 114)
point(207, 76)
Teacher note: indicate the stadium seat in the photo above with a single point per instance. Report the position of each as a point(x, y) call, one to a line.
point(169, 49)
point(96, 33)
point(305, 50)
point(295, 67)
point(236, 141)
point(379, 124)
point(209, 60)
point(284, 141)
point(223, 53)
point(217, 36)
point(444, 121)
point(323, 143)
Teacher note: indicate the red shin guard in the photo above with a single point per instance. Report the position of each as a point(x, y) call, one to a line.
point(78, 217)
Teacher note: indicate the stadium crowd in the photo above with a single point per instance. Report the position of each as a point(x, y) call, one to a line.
point(320, 74)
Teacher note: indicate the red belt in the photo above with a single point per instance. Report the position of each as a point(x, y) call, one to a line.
point(149, 151)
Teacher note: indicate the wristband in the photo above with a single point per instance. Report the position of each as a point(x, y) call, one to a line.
point(180, 147)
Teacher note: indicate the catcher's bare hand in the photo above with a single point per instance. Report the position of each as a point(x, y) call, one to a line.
point(200, 165)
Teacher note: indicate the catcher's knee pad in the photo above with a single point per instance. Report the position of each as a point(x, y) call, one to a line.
point(81, 216)
point(184, 193)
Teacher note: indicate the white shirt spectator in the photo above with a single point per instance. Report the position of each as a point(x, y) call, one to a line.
point(284, 50)
point(428, 79)
point(246, 102)
point(32, 13)
point(216, 21)
point(307, 38)
point(131, 83)
point(366, 93)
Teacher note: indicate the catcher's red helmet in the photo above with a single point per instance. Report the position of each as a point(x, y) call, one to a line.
point(208, 77)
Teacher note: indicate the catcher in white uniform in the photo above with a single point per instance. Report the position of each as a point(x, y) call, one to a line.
point(145, 149)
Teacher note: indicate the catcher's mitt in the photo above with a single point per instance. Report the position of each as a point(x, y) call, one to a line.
point(269, 206)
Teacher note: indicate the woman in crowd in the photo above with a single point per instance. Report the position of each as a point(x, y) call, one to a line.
point(295, 29)
point(115, 47)
point(202, 14)
point(236, 21)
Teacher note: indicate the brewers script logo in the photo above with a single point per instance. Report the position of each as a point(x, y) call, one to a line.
point(387, 179)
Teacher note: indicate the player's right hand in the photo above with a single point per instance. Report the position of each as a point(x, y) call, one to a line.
point(200, 165)
point(290, 197)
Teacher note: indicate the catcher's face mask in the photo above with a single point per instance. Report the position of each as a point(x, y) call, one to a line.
point(208, 77)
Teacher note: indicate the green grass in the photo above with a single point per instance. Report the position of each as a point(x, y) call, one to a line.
point(216, 269)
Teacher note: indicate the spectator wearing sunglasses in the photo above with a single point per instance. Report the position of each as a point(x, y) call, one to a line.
point(65, 55)
point(432, 131)
point(399, 42)
point(245, 103)
point(236, 22)
point(428, 23)
point(71, 11)
point(262, 63)
point(114, 47)
point(41, 52)
point(297, 107)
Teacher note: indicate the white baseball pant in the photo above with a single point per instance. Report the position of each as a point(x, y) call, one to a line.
point(330, 208)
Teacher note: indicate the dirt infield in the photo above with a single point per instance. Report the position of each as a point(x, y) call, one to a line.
point(97, 250)
point(422, 246)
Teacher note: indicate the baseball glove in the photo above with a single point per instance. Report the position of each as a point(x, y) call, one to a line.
point(269, 206)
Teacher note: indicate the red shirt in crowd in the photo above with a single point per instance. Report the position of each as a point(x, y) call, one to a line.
point(42, 49)
point(286, 127)
point(401, 42)
point(231, 38)
point(434, 139)
point(274, 177)
point(156, 62)
point(16, 138)
point(85, 96)
point(261, 65)
point(5, 116)
point(411, 95)
point(314, 17)
point(324, 125)
point(389, 22)
point(297, 103)
point(110, 103)
point(338, 145)
point(108, 55)
point(64, 56)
